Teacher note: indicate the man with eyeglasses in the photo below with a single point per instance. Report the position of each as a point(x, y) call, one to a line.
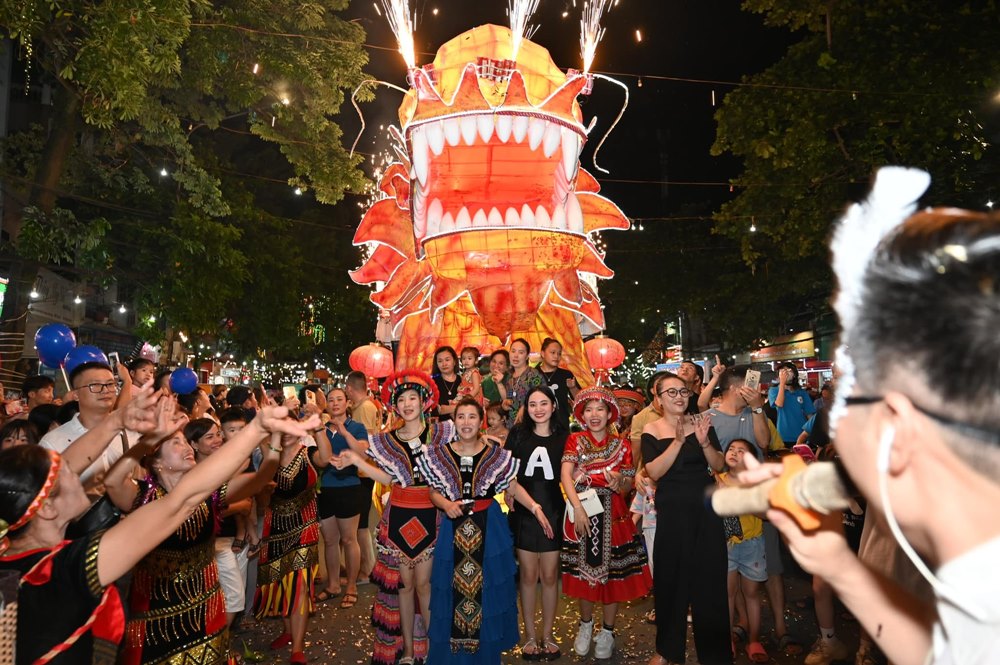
point(96, 390)
point(917, 298)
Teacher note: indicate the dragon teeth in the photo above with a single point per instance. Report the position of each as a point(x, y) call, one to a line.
point(435, 221)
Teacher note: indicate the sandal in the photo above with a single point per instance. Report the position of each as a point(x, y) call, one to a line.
point(547, 653)
point(326, 595)
point(740, 634)
point(756, 653)
point(650, 617)
point(350, 599)
point(405, 661)
point(298, 658)
point(255, 549)
point(238, 545)
point(532, 655)
point(789, 645)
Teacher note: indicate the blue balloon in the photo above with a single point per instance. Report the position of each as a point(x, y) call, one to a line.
point(84, 354)
point(183, 381)
point(53, 341)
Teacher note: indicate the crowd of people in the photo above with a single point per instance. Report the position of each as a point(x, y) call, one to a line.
point(514, 484)
point(441, 450)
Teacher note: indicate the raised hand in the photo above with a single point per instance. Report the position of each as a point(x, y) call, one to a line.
point(140, 414)
point(169, 418)
point(274, 419)
point(752, 397)
point(718, 368)
point(701, 426)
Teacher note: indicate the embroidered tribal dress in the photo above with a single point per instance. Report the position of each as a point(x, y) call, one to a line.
point(289, 560)
point(62, 608)
point(473, 583)
point(608, 565)
point(177, 613)
point(406, 533)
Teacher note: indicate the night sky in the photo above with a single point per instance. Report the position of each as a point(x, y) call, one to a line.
point(658, 156)
point(668, 128)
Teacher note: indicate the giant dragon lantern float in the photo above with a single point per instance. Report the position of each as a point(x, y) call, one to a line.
point(486, 231)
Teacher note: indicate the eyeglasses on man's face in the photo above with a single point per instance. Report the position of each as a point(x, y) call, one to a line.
point(98, 388)
point(674, 392)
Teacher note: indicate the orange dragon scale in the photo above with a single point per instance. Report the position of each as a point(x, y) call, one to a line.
point(485, 235)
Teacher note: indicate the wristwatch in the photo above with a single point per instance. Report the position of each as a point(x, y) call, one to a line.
point(759, 409)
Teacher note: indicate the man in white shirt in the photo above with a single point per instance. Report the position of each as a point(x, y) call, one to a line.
point(916, 422)
point(96, 390)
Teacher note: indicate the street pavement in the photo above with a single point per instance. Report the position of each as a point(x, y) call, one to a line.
point(345, 635)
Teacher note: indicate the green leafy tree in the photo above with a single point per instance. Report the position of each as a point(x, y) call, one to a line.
point(910, 82)
point(131, 180)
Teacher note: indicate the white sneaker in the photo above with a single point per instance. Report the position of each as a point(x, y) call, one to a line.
point(583, 638)
point(604, 644)
point(825, 652)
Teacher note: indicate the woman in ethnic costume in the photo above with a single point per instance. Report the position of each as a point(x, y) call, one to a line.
point(473, 588)
point(409, 525)
point(177, 609)
point(289, 559)
point(69, 609)
point(537, 443)
point(603, 558)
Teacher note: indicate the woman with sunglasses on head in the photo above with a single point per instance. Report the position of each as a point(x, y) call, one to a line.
point(523, 377)
point(689, 550)
point(473, 595)
point(537, 443)
point(69, 610)
point(408, 529)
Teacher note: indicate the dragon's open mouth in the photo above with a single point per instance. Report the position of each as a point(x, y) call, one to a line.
point(470, 172)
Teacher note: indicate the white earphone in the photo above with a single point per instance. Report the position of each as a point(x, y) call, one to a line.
point(940, 588)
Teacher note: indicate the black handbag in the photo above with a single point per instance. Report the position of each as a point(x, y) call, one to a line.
point(102, 515)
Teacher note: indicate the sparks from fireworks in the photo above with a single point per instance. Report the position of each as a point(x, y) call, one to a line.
point(520, 12)
point(401, 21)
point(591, 30)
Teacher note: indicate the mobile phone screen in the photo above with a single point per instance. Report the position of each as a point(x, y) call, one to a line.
point(805, 452)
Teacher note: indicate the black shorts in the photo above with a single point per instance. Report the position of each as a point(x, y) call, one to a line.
point(367, 487)
point(340, 502)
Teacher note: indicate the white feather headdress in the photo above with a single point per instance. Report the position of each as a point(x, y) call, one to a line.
point(893, 198)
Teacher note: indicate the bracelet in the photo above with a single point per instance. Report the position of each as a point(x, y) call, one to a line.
point(706, 445)
point(273, 449)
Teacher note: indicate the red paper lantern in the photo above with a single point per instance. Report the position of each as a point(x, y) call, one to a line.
point(604, 354)
point(374, 360)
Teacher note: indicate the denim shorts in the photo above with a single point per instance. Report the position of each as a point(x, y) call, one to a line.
point(748, 559)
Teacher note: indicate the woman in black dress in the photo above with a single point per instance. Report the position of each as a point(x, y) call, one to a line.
point(537, 442)
point(689, 549)
point(448, 380)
